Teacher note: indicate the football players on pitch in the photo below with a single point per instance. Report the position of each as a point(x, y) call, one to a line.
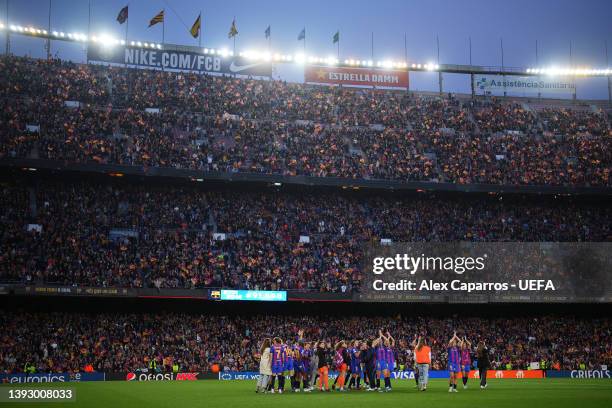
point(303, 362)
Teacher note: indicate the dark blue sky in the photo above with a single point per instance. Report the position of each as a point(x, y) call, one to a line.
point(553, 23)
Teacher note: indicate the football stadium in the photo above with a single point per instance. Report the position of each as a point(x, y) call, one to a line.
point(279, 204)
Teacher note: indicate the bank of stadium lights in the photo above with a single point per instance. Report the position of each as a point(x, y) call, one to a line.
point(427, 67)
point(299, 58)
point(107, 41)
point(265, 56)
point(554, 71)
point(142, 44)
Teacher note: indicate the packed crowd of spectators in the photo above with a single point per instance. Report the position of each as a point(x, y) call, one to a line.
point(126, 235)
point(241, 125)
point(61, 342)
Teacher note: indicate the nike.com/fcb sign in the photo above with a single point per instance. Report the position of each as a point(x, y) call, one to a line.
point(179, 60)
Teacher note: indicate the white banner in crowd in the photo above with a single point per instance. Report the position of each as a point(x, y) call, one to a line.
point(525, 85)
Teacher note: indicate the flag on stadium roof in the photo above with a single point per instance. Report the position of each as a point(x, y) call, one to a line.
point(159, 18)
point(302, 34)
point(195, 28)
point(123, 15)
point(336, 37)
point(233, 30)
point(267, 32)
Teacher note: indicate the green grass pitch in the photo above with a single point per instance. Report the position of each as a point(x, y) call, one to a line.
point(554, 393)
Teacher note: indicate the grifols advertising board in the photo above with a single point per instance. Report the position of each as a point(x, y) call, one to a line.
point(179, 60)
point(361, 77)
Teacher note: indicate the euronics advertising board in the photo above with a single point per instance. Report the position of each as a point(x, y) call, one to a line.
point(20, 378)
point(179, 60)
point(360, 77)
point(524, 85)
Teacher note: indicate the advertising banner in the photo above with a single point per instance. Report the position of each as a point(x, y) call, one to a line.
point(18, 378)
point(34, 378)
point(258, 295)
point(523, 85)
point(78, 377)
point(146, 376)
point(579, 374)
point(361, 77)
point(183, 60)
point(509, 374)
point(75, 291)
point(404, 375)
point(253, 375)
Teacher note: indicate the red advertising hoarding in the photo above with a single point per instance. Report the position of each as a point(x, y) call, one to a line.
point(365, 77)
point(519, 374)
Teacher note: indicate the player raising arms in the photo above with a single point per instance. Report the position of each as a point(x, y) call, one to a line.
point(454, 361)
point(388, 345)
point(381, 357)
point(466, 360)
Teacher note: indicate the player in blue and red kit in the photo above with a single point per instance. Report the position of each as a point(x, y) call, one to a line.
point(454, 362)
point(355, 367)
point(278, 364)
point(466, 360)
point(306, 368)
point(297, 367)
point(289, 369)
point(381, 358)
point(385, 360)
point(389, 344)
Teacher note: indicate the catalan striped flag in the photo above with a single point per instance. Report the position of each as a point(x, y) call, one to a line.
point(159, 18)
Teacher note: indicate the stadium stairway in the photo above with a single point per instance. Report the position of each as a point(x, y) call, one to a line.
point(32, 202)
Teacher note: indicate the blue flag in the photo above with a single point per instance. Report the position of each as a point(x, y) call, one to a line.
point(302, 34)
point(267, 32)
